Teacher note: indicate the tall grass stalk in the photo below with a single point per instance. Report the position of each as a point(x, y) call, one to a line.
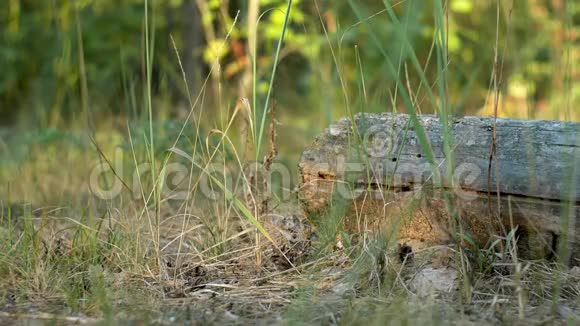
point(230, 196)
point(262, 125)
point(422, 136)
point(149, 54)
point(228, 193)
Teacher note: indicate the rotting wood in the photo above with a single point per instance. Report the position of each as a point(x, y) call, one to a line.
point(378, 166)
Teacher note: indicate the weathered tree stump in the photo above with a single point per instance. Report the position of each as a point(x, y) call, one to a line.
point(379, 168)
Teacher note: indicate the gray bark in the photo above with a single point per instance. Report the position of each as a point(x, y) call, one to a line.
point(378, 165)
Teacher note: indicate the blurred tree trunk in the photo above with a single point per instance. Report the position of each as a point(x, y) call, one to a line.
point(246, 81)
point(210, 38)
point(192, 46)
point(558, 44)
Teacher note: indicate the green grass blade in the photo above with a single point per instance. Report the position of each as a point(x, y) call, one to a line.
point(272, 77)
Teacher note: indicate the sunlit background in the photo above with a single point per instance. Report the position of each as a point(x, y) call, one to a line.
point(75, 68)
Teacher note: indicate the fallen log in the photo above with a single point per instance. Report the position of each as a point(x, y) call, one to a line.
point(529, 181)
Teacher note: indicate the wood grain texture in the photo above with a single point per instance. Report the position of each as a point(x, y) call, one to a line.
point(377, 161)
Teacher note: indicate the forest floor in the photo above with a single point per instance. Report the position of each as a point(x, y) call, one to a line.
point(73, 258)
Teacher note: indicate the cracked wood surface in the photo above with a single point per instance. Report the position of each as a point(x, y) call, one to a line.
point(378, 166)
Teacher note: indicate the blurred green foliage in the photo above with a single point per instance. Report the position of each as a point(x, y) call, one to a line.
point(47, 48)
